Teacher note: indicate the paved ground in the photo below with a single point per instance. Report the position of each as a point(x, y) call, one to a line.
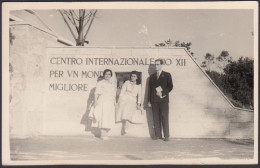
point(127, 148)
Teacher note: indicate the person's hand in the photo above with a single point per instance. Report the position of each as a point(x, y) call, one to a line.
point(138, 106)
point(149, 104)
point(159, 94)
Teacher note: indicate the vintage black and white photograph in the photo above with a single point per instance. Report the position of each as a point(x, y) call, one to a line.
point(130, 83)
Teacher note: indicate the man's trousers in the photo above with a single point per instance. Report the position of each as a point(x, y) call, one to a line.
point(161, 119)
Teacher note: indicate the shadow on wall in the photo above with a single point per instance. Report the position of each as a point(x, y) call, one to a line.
point(86, 120)
point(149, 114)
point(235, 123)
point(219, 115)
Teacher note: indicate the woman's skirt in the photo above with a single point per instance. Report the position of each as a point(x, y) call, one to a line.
point(127, 110)
point(104, 112)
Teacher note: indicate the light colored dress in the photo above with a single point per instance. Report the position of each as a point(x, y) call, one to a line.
point(104, 112)
point(127, 105)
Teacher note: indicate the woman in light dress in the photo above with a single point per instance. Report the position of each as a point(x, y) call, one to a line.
point(129, 102)
point(104, 104)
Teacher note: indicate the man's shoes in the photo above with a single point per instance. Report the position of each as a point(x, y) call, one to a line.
point(166, 139)
point(156, 138)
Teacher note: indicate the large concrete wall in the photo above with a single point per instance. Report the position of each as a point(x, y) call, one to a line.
point(26, 61)
point(197, 108)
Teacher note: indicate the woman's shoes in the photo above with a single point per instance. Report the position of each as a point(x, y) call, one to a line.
point(123, 132)
point(104, 138)
point(124, 127)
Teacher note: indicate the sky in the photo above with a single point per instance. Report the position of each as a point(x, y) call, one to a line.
point(209, 30)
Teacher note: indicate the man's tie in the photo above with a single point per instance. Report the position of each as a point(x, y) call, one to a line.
point(158, 75)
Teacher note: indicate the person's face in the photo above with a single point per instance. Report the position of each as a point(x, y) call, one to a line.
point(108, 75)
point(158, 65)
point(133, 77)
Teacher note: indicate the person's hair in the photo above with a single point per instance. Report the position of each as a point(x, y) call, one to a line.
point(138, 80)
point(107, 70)
point(160, 60)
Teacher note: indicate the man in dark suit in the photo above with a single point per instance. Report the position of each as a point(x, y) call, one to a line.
point(160, 84)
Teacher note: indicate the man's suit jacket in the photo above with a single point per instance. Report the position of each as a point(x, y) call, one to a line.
point(165, 81)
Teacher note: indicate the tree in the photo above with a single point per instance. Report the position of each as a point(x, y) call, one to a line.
point(79, 23)
point(240, 76)
point(237, 81)
point(223, 59)
point(169, 43)
point(209, 59)
point(177, 43)
point(160, 45)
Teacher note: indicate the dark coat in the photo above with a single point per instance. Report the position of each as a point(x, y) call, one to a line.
point(165, 81)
